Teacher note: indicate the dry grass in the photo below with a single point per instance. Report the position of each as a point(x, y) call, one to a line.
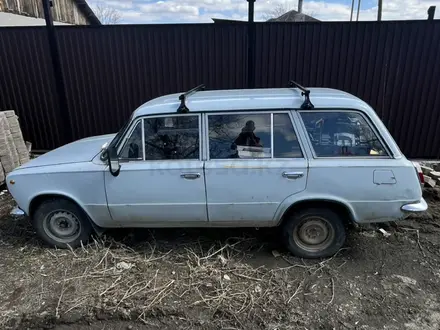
point(232, 281)
point(109, 277)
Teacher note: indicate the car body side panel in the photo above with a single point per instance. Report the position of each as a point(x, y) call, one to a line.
point(251, 190)
point(156, 192)
point(351, 182)
point(81, 182)
point(79, 151)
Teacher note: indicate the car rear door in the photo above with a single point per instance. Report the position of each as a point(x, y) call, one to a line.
point(255, 161)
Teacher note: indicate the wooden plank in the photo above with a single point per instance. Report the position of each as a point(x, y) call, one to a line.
point(63, 11)
point(426, 170)
point(429, 182)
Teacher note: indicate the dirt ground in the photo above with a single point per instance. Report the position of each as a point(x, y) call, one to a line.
point(221, 279)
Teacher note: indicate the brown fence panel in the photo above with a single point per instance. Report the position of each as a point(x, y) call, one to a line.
point(393, 66)
point(27, 84)
point(111, 70)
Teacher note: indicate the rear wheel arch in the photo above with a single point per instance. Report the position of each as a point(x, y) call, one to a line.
point(343, 210)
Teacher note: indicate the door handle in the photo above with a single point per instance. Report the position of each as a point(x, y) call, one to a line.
point(190, 176)
point(293, 175)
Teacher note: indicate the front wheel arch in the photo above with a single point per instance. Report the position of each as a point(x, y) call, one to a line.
point(38, 200)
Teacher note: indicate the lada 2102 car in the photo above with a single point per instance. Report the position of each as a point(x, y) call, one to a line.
point(227, 158)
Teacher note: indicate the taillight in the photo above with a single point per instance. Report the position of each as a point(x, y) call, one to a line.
point(421, 177)
point(419, 172)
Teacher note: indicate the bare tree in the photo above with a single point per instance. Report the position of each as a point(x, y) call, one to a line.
point(107, 14)
point(279, 10)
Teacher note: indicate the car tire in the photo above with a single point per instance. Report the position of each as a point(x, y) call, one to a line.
point(313, 233)
point(61, 223)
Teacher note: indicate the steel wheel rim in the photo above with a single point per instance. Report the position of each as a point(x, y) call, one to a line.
point(314, 234)
point(62, 226)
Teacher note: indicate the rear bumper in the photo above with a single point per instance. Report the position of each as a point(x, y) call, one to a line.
point(420, 206)
point(18, 212)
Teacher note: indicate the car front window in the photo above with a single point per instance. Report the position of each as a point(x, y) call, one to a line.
point(163, 138)
point(173, 137)
point(117, 140)
point(133, 146)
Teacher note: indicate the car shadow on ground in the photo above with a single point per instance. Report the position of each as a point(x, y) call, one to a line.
point(254, 246)
point(252, 243)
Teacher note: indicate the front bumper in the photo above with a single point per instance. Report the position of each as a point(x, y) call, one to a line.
point(420, 206)
point(18, 212)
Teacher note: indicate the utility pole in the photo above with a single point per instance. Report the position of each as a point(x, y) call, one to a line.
point(300, 6)
point(379, 10)
point(251, 45)
point(352, 9)
point(63, 112)
point(359, 10)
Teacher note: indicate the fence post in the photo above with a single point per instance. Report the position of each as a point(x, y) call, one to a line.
point(63, 109)
point(431, 13)
point(251, 45)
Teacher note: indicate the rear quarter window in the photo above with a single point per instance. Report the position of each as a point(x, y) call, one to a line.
point(342, 134)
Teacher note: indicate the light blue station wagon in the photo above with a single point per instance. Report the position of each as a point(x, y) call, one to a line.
point(308, 160)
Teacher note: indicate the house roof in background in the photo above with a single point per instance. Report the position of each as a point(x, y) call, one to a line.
point(294, 16)
point(84, 7)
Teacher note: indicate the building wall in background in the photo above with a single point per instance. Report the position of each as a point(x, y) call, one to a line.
point(9, 19)
point(65, 11)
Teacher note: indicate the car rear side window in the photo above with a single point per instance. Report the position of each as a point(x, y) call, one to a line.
point(249, 136)
point(173, 137)
point(285, 142)
point(341, 134)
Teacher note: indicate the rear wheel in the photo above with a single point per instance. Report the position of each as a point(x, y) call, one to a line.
point(60, 223)
point(314, 233)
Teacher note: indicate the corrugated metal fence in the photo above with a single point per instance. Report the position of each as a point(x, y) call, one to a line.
point(110, 70)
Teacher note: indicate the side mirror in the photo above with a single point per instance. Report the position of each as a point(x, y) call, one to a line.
point(113, 161)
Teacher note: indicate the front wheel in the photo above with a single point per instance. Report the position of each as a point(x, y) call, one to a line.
point(60, 223)
point(314, 233)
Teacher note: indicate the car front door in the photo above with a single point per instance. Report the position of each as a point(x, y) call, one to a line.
point(255, 162)
point(161, 178)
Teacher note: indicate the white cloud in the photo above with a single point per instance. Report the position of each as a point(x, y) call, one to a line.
point(117, 4)
point(131, 14)
point(175, 11)
point(170, 7)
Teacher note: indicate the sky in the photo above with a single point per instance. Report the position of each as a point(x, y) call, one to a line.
point(201, 11)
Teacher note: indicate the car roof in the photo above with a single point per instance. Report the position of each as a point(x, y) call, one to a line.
point(252, 99)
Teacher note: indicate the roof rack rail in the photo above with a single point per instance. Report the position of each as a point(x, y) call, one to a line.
point(307, 105)
point(182, 107)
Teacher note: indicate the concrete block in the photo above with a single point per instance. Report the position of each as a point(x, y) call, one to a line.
point(9, 113)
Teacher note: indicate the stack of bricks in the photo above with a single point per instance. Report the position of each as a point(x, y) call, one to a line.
point(13, 150)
